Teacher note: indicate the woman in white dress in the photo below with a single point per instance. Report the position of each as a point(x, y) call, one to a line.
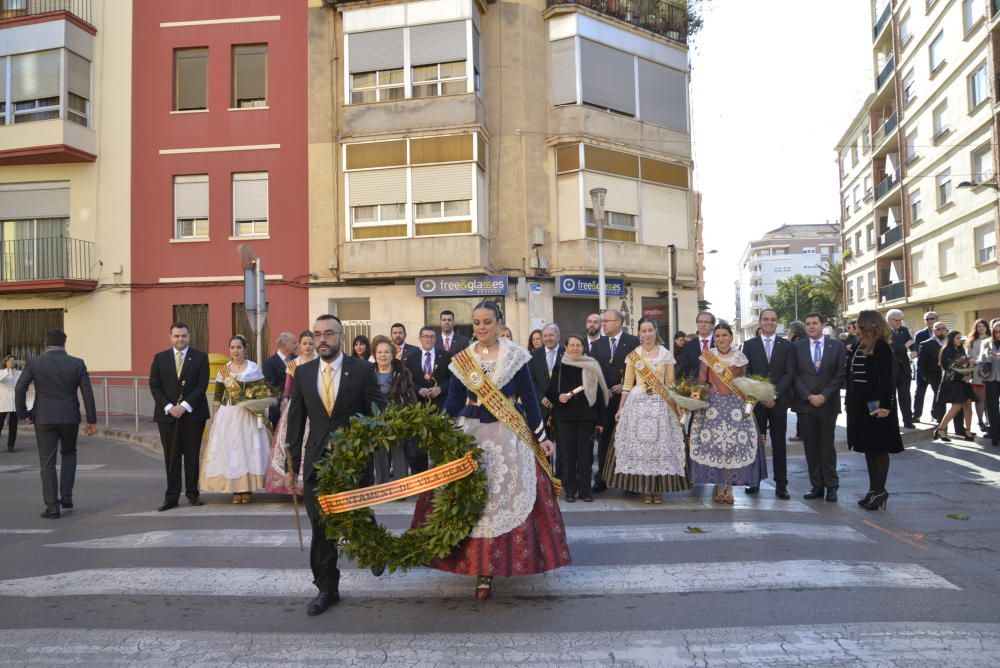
point(235, 460)
point(647, 456)
point(9, 374)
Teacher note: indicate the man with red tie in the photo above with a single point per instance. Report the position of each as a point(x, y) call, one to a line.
point(450, 341)
point(689, 361)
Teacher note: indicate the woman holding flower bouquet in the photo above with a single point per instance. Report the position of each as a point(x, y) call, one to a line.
point(725, 450)
point(235, 460)
point(956, 370)
point(278, 458)
point(647, 456)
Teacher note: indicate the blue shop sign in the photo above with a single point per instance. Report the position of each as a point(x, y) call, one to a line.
point(587, 286)
point(462, 286)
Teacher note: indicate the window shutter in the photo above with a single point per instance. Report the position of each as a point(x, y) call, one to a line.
point(437, 43)
point(378, 186)
point(376, 50)
point(78, 76)
point(476, 46)
point(250, 196)
point(42, 200)
point(3, 78)
point(35, 75)
point(623, 194)
point(563, 74)
point(442, 183)
point(664, 216)
point(608, 77)
point(191, 79)
point(191, 196)
point(663, 95)
point(250, 71)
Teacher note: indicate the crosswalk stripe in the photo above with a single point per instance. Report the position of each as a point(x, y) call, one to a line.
point(885, 643)
point(578, 535)
point(426, 583)
point(28, 531)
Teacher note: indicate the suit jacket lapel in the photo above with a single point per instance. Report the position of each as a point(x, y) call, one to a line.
point(344, 376)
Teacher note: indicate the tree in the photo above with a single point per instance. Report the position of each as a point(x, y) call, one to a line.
point(797, 296)
point(830, 286)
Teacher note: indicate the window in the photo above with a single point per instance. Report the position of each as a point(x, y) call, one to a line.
point(250, 204)
point(857, 243)
point(856, 194)
point(870, 235)
point(378, 221)
point(847, 207)
point(35, 248)
point(979, 88)
point(41, 88)
point(451, 217)
point(241, 325)
point(946, 257)
point(986, 244)
point(379, 86)
point(940, 119)
point(249, 76)
point(861, 288)
point(871, 283)
point(944, 188)
point(824, 252)
point(916, 207)
point(195, 316)
point(191, 79)
point(868, 187)
point(972, 11)
point(440, 79)
point(23, 330)
point(909, 87)
point(617, 226)
point(905, 31)
point(916, 266)
point(982, 163)
point(935, 52)
point(77, 89)
point(911, 146)
point(191, 207)
point(809, 250)
point(850, 292)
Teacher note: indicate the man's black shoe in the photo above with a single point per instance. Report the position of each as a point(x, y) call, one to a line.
point(753, 490)
point(814, 493)
point(167, 505)
point(831, 494)
point(782, 492)
point(67, 503)
point(195, 500)
point(322, 603)
point(50, 514)
point(599, 486)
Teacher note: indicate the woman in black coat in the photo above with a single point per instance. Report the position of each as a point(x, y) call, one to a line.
point(872, 420)
point(955, 386)
point(579, 399)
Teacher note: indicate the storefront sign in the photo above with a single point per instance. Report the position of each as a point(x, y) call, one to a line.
point(654, 312)
point(587, 286)
point(462, 286)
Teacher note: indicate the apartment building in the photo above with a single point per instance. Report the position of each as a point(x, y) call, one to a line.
point(219, 161)
point(918, 165)
point(453, 145)
point(65, 90)
point(778, 255)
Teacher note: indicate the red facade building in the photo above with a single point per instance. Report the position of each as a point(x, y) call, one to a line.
point(218, 160)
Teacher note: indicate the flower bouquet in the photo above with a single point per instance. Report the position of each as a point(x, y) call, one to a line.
point(689, 395)
point(258, 397)
point(961, 367)
point(756, 387)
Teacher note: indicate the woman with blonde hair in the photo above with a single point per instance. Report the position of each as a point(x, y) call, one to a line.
point(980, 335)
point(872, 419)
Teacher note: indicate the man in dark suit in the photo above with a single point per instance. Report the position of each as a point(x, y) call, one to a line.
point(56, 416)
point(593, 327)
point(820, 369)
point(178, 380)
point(930, 318)
point(543, 360)
point(689, 360)
point(451, 341)
point(610, 352)
point(327, 392)
point(929, 365)
point(774, 358)
point(275, 370)
point(901, 343)
point(398, 335)
point(431, 378)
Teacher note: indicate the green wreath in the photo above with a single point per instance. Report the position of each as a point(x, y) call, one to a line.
point(456, 507)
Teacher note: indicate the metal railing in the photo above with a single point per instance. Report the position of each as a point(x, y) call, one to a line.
point(888, 293)
point(885, 185)
point(122, 397)
point(884, 18)
point(891, 236)
point(656, 16)
point(886, 72)
point(886, 129)
point(15, 9)
point(45, 258)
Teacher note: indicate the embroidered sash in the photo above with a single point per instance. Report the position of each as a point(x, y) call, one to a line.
point(501, 407)
point(721, 369)
point(645, 371)
point(231, 384)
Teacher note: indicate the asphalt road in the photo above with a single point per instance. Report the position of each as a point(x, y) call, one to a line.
point(768, 582)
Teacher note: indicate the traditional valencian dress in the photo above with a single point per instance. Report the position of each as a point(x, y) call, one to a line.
point(277, 460)
point(521, 531)
point(725, 448)
point(235, 460)
point(647, 456)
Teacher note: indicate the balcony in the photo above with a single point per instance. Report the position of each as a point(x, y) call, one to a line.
point(891, 292)
point(50, 264)
point(656, 16)
point(890, 237)
point(885, 130)
point(25, 11)
point(887, 70)
point(885, 185)
point(882, 20)
point(46, 142)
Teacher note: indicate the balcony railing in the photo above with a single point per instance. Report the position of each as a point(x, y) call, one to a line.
point(44, 259)
point(656, 16)
point(15, 9)
point(888, 293)
point(882, 20)
point(886, 72)
point(891, 236)
point(886, 129)
point(885, 185)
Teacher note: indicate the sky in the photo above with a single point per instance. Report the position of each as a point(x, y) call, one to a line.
point(774, 85)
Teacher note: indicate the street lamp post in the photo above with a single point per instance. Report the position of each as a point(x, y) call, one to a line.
point(597, 196)
point(670, 290)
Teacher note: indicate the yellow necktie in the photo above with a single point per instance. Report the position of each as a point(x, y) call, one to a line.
point(180, 363)
point(328, 396)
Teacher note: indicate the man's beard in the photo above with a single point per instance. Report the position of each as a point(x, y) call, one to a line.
point(593, 332)
point(333, 352)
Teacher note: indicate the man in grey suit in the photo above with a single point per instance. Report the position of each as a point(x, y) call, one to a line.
point(56, 416)
point(821, 365)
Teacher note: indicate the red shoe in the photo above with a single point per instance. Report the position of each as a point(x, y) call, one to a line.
point(484, 587)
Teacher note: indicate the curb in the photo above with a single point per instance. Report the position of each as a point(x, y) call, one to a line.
point(149, 443)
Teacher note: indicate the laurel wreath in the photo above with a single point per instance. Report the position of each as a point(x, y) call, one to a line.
point(456, 507)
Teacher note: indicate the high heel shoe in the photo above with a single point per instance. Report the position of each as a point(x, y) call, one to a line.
point(863, 501)
point(484, 587)
point(944, 437)
point(880, 500)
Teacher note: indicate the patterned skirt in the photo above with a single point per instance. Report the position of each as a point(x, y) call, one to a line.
point(647, 454)
point(723, 437)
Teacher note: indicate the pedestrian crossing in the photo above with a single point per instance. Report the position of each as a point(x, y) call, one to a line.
point(24, 468)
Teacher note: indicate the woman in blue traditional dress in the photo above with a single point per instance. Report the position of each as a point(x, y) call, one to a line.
point(521, 531)
point(725, 449)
